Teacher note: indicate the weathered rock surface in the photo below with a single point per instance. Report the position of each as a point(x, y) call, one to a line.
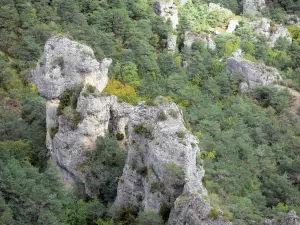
point(168, 10)
point(66, 63)
point(263, 27)
point(253, 6)
point(232, 26)
point(254, 73)
point(171, 43)
point(217, 7)
point(289, 219)
point(192, 37)
point(194, 210)
point(162, 141)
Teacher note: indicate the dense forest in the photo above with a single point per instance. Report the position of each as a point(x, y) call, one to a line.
point(250, 141)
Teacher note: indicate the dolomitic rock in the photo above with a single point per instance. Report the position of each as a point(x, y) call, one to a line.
point(162, 142)
point(254, 74)
point(154, 152)
point(168, 10)
point(192, 37)
point(232, 26)
point(272, 33)
point(66, 63)
point(289, 219)
point(171, 43)
point(253, 6)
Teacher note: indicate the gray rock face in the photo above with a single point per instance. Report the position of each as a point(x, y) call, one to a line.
point(289, 219)
point(254, 74)
point(192, 37)
point(168, 10)
point(162, 141)
point(253, 6)
point(171, 43)
point(154, 153)
point(193, 210)
point(217, 7)
point(66, 63)
point(232, 26)
point(263, 27)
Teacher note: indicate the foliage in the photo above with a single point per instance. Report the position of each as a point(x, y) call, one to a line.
point(103, 167)
point(144, 129)
point(124, 92)
point(149, 218)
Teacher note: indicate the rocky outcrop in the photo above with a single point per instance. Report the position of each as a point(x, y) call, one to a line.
point(192, 37)
point(254, 74)
point(171, 43)
point(217, 7)
point(168, 10)
point(66, 63)
point(163, 163)
point(253, 6)
point(272, 33)
point(232, 26)
point(164, 141)
point(289, 219)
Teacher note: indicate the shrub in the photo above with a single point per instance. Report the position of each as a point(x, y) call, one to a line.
point(150, 102)
point(53, 131)
point(214, 213)
point(143, 171)
point(161, 115)
point(144, 129)
point(127, 215)
point(120, 136)
point(157, 186)
point(165, 210)
point(173, 113)
point(181, 134)
point(149, 218)
point(174, 175)
point(124, 92)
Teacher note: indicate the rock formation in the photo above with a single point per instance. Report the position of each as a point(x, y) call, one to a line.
point(263, 27)
point(160, 148)
point(66, 63)
point(232, 26)
point(289, 219)
point(168, 10)
point(171, 43)
point(192, 37)
point(253, 73)
point(253, 6)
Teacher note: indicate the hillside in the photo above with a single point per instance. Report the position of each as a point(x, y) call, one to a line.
point(152, 112)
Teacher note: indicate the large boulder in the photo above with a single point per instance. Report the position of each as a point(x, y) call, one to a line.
point(66, 63)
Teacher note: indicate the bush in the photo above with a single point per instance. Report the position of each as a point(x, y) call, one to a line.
point(127, 215)
point(161, 116)
point(174, 175)
point(143, 171)
point(214, 213)
point(120, 136)
point(165, 210)
point(124, 92)
point(144, 129)
point(53, 131)
point(157, 186)
point(181, 134)
point(148, 218)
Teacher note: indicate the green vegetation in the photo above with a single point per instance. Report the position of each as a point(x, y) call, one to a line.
point(250, 140)
point(144, 129)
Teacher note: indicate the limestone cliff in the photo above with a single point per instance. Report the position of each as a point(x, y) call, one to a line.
point(161, 166)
